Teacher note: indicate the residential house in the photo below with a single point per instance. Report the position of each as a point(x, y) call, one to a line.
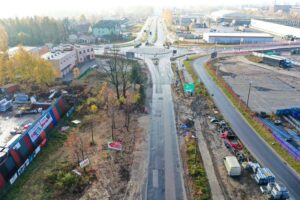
point(73, 38)
point(86, 39)
point(106, 28)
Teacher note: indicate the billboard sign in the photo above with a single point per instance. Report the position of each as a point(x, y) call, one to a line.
point(45, 120)
point(35, 131)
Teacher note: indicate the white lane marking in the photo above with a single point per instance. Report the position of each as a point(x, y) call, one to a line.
point(155, 178)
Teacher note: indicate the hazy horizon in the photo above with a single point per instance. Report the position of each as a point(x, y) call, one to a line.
point(61, 8)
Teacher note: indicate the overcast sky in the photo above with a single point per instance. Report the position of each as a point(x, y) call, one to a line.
point(10, 8)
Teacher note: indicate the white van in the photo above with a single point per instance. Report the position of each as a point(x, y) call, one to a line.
point(232, 166)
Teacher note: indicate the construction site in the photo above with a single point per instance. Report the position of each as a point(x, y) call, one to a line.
point(270, 91)
point(199, 122)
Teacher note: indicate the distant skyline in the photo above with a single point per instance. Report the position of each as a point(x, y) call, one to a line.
point(63, 8)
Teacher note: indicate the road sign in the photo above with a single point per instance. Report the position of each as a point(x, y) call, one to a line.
point(189, 87)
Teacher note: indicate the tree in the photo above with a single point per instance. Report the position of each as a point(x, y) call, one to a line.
point(93, 109)
point(131, 100)
point(22, 36)
point(102, 96)
point(113, 71)
point(3, 39)
point(34, 30)
point(28, 68)
point(75, 146)
point(82, 19)
point(125, 75)
point(136, 76)
point(111, 107)
point(118, 73)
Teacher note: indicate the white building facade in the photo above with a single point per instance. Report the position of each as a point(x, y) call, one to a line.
point(84, 53)
point(275, 29)
point(237, 38)
point(66, 57)
point(65, 61)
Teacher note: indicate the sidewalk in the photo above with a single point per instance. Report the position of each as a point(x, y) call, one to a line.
point(215, 188)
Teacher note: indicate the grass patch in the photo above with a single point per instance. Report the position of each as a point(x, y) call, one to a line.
point(85, 74)
point(200, 185)
point(199, 87)
point(251, 119)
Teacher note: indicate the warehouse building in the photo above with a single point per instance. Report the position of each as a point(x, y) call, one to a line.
point(275, 28)
point(237, 38)
point(228, 16)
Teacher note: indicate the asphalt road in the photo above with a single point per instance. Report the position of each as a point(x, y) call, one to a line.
point(259, 149)
point(165, 180)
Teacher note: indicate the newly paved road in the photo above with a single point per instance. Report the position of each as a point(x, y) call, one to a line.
point(165, 180)
point(259, 149)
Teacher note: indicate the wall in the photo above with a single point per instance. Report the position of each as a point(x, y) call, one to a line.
point(237, 40)
point(22, 152)
point(84, 53)
point(276, 29)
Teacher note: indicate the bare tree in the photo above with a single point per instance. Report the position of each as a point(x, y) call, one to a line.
point(125, 65)
point(113, 70)
point(119, 72)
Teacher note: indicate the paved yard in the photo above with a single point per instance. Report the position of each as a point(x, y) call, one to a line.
point(270, 90)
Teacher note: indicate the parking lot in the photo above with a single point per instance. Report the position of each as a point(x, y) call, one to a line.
point(269, 90)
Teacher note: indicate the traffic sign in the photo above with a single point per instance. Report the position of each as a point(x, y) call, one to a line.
point(189, 87)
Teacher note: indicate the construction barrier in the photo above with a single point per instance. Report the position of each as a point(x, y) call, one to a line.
point(21, 152)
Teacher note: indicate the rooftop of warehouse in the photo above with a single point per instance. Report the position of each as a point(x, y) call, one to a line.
point(214, 34)
point(286, 22)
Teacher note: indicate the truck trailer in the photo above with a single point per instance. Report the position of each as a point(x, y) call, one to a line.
point(277, 61)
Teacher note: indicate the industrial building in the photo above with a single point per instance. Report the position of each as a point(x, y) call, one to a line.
point(228, 16)
point(33, 50)
point(275, 28)
point(237, 38)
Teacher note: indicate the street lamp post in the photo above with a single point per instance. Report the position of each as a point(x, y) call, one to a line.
point(250, 85)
